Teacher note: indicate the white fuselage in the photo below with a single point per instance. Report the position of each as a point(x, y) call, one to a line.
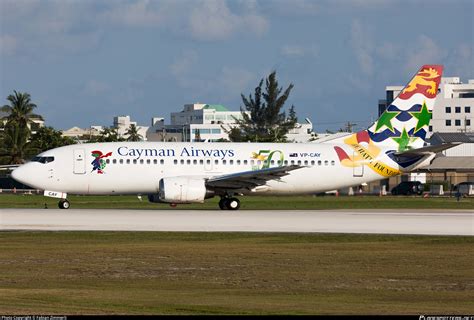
point(137, 167)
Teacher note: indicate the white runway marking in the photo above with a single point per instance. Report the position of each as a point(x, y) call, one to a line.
point(334, 221)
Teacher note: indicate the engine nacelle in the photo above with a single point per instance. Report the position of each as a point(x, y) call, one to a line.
point(182, 190)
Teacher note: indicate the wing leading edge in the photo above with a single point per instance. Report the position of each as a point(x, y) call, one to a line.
point(249, 179)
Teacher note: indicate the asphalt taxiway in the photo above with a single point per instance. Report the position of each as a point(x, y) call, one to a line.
point(422, 222)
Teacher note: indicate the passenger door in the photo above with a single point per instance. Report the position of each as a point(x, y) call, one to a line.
point(79, 161)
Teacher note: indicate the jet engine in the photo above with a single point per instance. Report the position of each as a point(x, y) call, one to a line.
point(181, 190)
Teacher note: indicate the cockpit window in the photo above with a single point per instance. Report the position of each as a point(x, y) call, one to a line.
point(42, 159)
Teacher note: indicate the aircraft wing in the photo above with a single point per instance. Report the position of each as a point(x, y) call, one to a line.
point(427, 150)
point(249, 179)
point(9, 166)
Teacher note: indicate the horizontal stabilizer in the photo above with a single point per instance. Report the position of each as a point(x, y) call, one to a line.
point(427, 150)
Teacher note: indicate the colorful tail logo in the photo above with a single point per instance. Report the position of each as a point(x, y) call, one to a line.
point(401, 127)
point(405, 122)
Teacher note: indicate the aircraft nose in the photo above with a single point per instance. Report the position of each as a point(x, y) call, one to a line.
point(20, 175)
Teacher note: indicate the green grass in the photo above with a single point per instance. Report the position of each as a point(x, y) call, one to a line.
point(248, 203)
point(234, 273)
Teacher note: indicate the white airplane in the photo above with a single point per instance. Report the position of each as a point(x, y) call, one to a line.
point(192, 172)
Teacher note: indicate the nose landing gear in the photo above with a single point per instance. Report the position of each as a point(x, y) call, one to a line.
point(64, 204)
point(229, 204)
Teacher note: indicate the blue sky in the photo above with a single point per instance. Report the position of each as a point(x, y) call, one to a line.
point(84, 62)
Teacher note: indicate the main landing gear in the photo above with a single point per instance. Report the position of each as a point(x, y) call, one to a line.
point(229, 203)
point(64, 204)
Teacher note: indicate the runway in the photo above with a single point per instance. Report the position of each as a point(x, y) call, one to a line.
point(421, 222)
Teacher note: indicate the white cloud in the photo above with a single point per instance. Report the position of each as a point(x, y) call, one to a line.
point(363, 46)
point(8, 44)
point(183, 66)
point(137, 14)
point(298, 51)
point(426, 51)
point(95, 88)
point(212, 20)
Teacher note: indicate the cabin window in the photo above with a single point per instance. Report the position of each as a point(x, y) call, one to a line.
point(246, 162)
point(155, 161)
point(182, 161)
point(306, 162)
point(231, 161)
point(292, 162)
point(148, 161)
point(252, 162)
point(107, 161)
point(272, 162)
point(142, 161)
point(121, 161)
point(224, 161)
point(128, 161)
point(312, 162)
point(114, 161)
point(319, 162)
point(238, 162)
point(286, 162)
point(333, 162)
point(134, 161)
point(188, 161)
point(326, 162)
point(195, 161)
point(216, 161)
point(175, 161)
point(208, 161)
point(201, 161)
point(299, 162)
point(162, 161)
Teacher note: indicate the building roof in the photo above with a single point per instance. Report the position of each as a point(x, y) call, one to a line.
point(217, 107)
point(445, 137)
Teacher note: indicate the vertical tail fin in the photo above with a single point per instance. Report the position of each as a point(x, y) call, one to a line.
point(405, 122)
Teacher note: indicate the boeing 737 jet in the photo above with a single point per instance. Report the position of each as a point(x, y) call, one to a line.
point(192, 172)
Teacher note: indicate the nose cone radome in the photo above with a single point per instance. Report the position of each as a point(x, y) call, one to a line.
point(20, 174)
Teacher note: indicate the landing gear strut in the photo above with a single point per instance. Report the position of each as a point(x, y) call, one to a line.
point(229, 204)
point(64, 204)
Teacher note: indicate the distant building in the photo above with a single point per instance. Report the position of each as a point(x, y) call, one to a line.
point(453, 109)
point(206, 122)
point(82, 134)
point(35, 123)
point(123, 123)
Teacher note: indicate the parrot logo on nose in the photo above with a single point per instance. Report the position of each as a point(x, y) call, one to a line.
point(99, 163)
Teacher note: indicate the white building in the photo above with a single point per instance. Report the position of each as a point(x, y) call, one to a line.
point(198, 121)
point(123, 123)
point(206, 122)
point(453, 109)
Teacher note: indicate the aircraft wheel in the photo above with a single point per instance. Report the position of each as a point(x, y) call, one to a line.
point(64, 204)
point(222, 204)
point(233, 204)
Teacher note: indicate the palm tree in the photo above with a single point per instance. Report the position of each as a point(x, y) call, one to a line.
point(15, 146)
point(20, 110)
point(133, 134)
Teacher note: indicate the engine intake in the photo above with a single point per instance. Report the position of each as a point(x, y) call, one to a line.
point(181, 190)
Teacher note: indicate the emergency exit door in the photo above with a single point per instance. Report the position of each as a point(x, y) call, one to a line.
point(79, 161)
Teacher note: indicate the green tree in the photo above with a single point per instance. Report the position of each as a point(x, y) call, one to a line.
point(197, 135)
point(15, 147)
point(133, 134)
point(47, 138)
point(107, 135)
point(265, 120)
point(20, 110)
